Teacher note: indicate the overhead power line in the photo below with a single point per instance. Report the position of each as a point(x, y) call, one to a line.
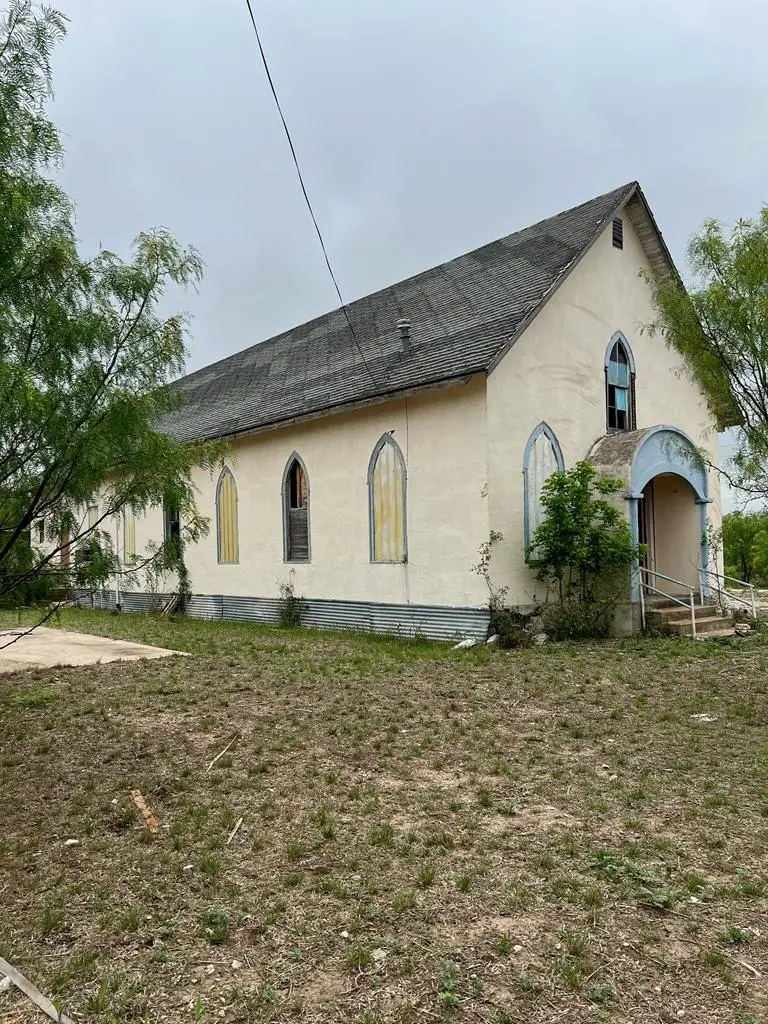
point(304, 189)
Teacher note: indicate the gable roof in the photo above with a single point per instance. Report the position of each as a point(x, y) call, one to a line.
point(463, 316)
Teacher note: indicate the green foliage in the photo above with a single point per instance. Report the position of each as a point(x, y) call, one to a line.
point(86, 358)
point(583, 551)
point(449, 982)
point(506, 623)
point(720, 326)
point(290, 608)
point(579, 620)
point(745, 546)
point(214, 924)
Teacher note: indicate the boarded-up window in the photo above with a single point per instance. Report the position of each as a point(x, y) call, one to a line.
point(542, 458)
point(226, 518)
point(296, 511)
point(386, 490)
point(93, 516)
point(64, 542)
point(171, 523)
point(129, 536)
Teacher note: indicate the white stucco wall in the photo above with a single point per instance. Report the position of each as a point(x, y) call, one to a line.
point(442, 437)
point(676, 531)
point(555, 372)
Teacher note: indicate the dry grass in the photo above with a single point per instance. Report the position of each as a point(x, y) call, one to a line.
point(428, 835)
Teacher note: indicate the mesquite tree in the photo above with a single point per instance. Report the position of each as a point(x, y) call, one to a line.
point(720, 326)
point(85, 355)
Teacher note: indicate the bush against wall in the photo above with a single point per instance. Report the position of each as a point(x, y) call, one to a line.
point(583, 552)
point(290, 607)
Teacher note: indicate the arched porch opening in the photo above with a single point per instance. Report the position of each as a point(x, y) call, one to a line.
point(667, 496)
point(669, 528)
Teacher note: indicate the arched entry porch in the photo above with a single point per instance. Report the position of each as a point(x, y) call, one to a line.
point(667, 495)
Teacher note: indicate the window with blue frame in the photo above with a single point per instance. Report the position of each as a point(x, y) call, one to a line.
point(619, 383)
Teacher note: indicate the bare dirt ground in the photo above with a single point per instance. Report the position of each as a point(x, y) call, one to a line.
point(565, 834)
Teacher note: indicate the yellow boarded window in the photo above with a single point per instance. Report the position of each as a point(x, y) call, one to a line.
point(129, 535)
point(386, 486)
point(226, 518)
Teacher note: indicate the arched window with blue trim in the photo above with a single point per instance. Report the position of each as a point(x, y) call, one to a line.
point(620, 413)
point(542, 458)
point(387, 502)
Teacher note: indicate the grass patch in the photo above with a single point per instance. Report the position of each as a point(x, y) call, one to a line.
point(426, 834)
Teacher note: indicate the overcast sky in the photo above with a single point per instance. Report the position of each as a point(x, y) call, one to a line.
point(424, 128)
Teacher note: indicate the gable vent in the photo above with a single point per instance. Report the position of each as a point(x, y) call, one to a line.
point(618, 233)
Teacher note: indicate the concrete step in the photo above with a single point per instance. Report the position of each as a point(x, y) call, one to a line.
point(714, 633)
point(707, 624)
point(664, 613)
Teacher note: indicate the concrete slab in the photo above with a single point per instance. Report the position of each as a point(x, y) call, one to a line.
point(45, 648)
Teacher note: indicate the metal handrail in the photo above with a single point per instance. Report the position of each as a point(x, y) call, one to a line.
point(736, 597)
point(691, 603)
point(670, 579)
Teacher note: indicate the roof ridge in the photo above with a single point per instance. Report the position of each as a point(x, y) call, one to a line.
point(465, 314)
point(621, 190)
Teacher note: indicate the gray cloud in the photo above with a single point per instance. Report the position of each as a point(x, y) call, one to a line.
point(424, 128)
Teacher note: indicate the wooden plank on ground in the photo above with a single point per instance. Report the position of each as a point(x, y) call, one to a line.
point(32, 993)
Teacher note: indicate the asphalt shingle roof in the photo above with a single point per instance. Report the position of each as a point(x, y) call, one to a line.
point(462, 314)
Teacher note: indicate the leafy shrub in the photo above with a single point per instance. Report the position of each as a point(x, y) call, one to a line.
point(592, 620)
point(291, 608)
point(511, 627)
point(583, 551)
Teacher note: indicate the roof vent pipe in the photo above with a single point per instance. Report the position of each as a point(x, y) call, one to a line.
point(404, 327)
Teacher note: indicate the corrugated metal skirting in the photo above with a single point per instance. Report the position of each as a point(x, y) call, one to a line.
point(434, 622)
point(104, 600)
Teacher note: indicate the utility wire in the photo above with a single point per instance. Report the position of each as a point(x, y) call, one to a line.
point(304, 190)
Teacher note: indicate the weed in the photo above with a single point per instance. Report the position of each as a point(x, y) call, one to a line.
point(464, 883)
point(210, 865)
point(518, 896)
point(295, 850)
point(34, 699)
point(382, 835)
point(358, 957)
point(129, 919)
point(426, 876)
point(601, 993)
point(735, 936)
point(214, 925)
point(714, 957)
point(290, 608)
point(502, 944)
point(576, 943)
point(404, 900)
point(448, 973)
point(484, 798)
point(51, 920)
point(527, 985)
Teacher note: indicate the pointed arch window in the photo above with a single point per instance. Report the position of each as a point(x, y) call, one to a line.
point(620, 385)
point(543, 457)
point(227, 539)
point(387, 502)
point(129, 535)
point(296, 537)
